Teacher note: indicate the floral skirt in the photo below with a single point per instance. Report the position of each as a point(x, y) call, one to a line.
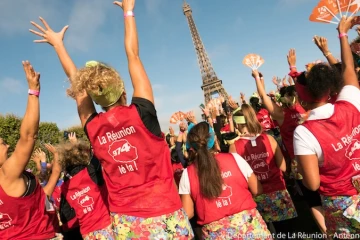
point(245, 225)
point(276, 206)
point(294, 170)
point(174, 225)
point(342, 216)
point(102, 234)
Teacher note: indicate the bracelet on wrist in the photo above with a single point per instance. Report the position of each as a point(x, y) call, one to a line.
point(129, 14)
point(34, 92)
point(291, 67)
point(343, 35)
point(327, 54)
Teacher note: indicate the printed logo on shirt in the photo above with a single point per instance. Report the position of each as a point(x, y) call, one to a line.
point(353, 150)
point(225, 197)
point(1, 202)
point(80, 193)
point(124, 153)
point(87, 203)
point(5, 221)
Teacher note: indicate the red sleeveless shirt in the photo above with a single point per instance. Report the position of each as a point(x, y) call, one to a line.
point(24, 218)
point(339, 138)
point(292, 117)
point(235, 197)
point(136, 163)
point(263, 117)
point(87, 199)
point(260, 156)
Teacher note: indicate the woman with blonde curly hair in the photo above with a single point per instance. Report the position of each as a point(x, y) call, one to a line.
point(127, 140)
point(84, 190)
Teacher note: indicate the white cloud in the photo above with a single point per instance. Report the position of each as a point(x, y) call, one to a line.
point(15, 15)
point(84, 22)
point(10, 85)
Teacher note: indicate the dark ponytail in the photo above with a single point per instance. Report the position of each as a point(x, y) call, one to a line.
point(207, 167)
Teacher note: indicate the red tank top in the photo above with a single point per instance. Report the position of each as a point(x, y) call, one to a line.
point(56, 196)
point(292, 116)
point(25, 218)
point(136, 163)
point(339, 138)
point(263, 117)
point(87, 199)
point(235, 197)
point(259, 155)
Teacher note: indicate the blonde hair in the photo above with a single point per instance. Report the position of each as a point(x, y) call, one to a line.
point(94, 79)
point(74, 154)
point(252, 123)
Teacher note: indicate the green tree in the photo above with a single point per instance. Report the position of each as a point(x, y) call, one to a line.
point(10, 130)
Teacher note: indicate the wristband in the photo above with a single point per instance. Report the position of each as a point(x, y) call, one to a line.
point(43, 165)
point(257, 78)
point(129, 14)
point(34, 92)
point(343, 35)
point(291, 67)
point(327, 54)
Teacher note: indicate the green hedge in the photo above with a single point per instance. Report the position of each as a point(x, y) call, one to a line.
point(48, 133)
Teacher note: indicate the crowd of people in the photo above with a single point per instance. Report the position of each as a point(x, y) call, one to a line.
point(235, 175)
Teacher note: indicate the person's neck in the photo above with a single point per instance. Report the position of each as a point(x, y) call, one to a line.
point(316, 105)
point(114, 106)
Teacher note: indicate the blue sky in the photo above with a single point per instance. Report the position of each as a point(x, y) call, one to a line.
point(229, 29)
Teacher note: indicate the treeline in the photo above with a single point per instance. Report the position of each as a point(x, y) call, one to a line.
point(48, 133)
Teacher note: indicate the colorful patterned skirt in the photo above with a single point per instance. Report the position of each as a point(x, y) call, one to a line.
point(102, 234)
point(245, 225)
point(174, 225)
point(276, 206)
point(342, 216)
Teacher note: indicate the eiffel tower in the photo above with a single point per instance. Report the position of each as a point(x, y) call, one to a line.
point(211, 83)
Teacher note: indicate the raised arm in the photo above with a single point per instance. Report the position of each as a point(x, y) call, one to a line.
point(55, 173)
point(349, 75)
point(322, 44)
point(140, 81)
point(275, 111)
point(84, 103)
point(11, 171)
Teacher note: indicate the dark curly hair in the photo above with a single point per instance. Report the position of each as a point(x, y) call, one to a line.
point(322, 80)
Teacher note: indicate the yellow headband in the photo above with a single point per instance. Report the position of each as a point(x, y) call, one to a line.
point(239, 119)
point(107, 96)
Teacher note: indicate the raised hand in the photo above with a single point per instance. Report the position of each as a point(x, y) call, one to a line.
point(345, 24)
point(322, 44)
point(48, 35)
point(171, 131)
point(126, 5)
point(291, 57)
point(50, 148)
point(284, 82)
point(32, 77)
point(242, 96)
point(275, 81)
point(72, 137)
point(255, 74)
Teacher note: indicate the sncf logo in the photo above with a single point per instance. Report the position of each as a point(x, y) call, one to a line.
point(352, 151)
